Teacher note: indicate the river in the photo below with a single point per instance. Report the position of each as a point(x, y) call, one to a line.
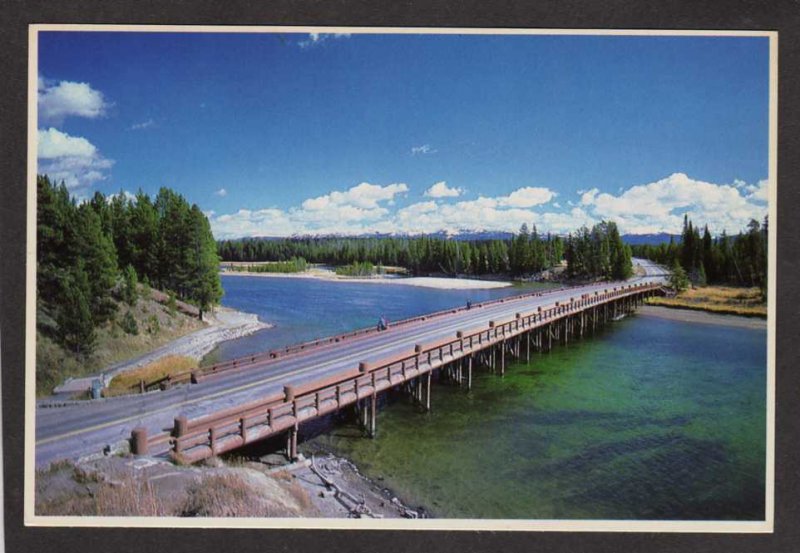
point(649, 419)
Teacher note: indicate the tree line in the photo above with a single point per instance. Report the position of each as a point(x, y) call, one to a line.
point(739, 260)
point(598, 253)
point(595, 253)
point(84, 250)
point(526, 253)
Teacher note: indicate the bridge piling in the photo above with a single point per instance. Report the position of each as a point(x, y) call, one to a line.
point(373, 412)
point(528, 350)
point(428, 391)
point(291, 443)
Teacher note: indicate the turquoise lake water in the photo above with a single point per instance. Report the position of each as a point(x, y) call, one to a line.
point(649, 419)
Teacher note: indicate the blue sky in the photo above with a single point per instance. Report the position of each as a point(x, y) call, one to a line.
point(277, 134)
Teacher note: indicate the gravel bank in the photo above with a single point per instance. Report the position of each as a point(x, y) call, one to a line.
point(702, 317)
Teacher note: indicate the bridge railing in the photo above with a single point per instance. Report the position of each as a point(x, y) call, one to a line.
point(195, 439)
point(281, 353)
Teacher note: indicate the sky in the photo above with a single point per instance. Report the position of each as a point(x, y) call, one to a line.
point(279, 134)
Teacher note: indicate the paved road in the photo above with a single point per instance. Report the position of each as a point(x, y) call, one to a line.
point(72, 431)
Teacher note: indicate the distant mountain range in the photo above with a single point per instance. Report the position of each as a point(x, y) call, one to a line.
point(467, 235)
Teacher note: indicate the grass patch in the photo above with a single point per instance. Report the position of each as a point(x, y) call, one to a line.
point(725, 300)
point(171, 364)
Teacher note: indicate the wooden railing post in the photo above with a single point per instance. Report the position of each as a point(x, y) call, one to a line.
point(139, 441)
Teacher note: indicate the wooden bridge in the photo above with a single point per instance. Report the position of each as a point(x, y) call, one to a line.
point(452, 359)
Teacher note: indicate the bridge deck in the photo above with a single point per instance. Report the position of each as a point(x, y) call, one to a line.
point(68, 431)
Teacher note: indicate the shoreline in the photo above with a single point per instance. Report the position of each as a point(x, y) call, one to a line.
point(439, 283)
point(701, 317)
point(338, 489)
point(225, 324)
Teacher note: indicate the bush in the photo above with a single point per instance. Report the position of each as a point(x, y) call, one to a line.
point(128, 324)
point(678, 279)
point(146, 288)
point(356, 269)
point(153, 326)
point(172, 306)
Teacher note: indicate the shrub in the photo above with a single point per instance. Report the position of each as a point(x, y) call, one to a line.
point(172, 305)
point(128, 324)
point(153, 326)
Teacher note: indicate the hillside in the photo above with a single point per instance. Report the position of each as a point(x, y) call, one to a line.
point(154, 324)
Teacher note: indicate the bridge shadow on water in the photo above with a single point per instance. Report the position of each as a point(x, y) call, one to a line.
point(341, 424)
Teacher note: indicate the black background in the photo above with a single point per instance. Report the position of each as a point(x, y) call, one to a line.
point(16, 15)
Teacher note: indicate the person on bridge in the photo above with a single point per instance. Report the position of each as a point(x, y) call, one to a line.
point(383, 324)
point(469, 304)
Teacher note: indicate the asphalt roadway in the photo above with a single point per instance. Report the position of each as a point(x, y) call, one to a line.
point(75, 430)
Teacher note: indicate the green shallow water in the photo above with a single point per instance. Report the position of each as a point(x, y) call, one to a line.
point(650, 419)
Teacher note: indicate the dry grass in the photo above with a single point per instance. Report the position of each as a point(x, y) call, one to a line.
point(223, 495)
point(65, 489)
point(171, 364)
point(130, 498)
point(718, 299)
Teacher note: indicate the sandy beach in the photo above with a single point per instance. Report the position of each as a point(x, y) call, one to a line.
point(440, 283)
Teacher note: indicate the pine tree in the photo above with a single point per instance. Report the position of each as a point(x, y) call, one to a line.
point(75, 326)
point(203, 284)
point(678, 279)
point(99, 256)
point(130, 294)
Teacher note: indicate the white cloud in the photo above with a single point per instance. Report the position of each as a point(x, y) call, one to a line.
point(143, 125)
point(316, 39)
point(221, 193)
point(364, 195)
point(758, 192)
point(71, 159)
point(365, 208)
point(659, 206)
point(588, 196)
point(528, 196)
point(66, 98)
point(422, 150)
point(56, 144)
point(441, 190)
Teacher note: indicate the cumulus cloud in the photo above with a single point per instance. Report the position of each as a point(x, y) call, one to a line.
point(359, 209)
point(422, 150)
point(528, 196)
point(758, 192)
point(316, 39)
point(646, 208)
point(364, 196)
point(441, 190)
point(221, 193)
point(63, 99)
point(71, 159)
point(659, 206)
